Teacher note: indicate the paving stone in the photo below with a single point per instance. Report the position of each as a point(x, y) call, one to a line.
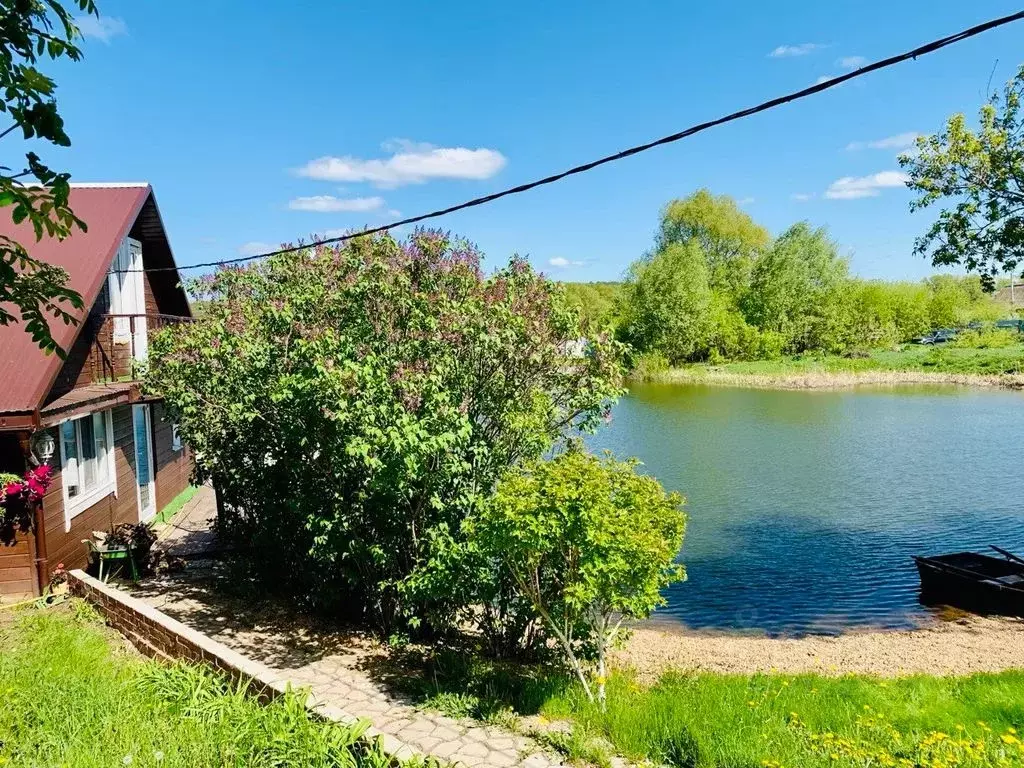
point(445, 749)
point(446, 733)
point(501, 743)
point(538, 760)
point(341, 692)
point(473, 749)
point(427, 743)
point(501, 759)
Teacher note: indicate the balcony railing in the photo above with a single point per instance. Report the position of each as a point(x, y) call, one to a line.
point(123, 341)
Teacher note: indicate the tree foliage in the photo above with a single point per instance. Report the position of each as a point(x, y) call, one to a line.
point(591, 543)
point(668, 301)
point(31, 30)
point(796, 296)
point(597, 303)
point(793, 286)
point(980, 174)
point(729, 239)
point(354, 406)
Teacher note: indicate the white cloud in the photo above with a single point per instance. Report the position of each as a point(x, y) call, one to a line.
point(332, 204)
point(562, 262)
point(255, 248)
point(853, 188)
point(103, 28)
point(410, 163)
point(800, 197)
point(745, 201)
point(329, 234)
point(852, 62)
point(899, 141)
point(394, 213)
point(795, 50)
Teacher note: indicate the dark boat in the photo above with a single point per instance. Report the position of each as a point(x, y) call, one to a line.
point(976, 582)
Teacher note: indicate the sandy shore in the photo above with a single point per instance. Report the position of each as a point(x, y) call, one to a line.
point(835, 379)
point(966, 645)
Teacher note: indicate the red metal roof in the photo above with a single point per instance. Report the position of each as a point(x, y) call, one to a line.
point(109, 211)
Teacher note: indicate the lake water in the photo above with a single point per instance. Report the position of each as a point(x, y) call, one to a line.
point(805, 506)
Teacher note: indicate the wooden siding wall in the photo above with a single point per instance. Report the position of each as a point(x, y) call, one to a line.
point(66, 546)
point(95, 357)
point(17, 569)
point(173, 468)
point(172, 472)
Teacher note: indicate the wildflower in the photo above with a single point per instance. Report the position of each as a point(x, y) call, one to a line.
point(127, 760)
point(158, 756)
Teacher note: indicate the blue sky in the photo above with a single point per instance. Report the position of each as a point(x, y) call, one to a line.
point(261, 123)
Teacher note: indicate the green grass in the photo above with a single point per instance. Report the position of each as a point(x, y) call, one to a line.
point(937, 359)
point(753, 721)
point(720, 720)
point(175, 504)
point(71, 696)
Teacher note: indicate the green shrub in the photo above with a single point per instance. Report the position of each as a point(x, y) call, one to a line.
point(355, 404)
point(590, 543)
point(991, 338)
point(649, 365)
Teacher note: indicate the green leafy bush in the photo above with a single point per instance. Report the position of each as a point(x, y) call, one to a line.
point(992, 338)
point(355, 404)
point(590, 543)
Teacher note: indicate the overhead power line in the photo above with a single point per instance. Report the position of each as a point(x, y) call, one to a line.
point(921, 50)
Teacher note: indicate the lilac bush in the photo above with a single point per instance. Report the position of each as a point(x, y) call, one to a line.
point(355, 404)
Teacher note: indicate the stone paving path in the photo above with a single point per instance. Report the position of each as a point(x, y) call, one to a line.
point(345, 671)
point(190, 532)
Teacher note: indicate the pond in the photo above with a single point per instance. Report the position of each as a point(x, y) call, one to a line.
point(806, 506)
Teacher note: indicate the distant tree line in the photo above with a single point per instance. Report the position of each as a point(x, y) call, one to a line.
point(716, 286)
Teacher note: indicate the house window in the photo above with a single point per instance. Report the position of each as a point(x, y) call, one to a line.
point(175, 438)
point(126, 284)
point(87, 462)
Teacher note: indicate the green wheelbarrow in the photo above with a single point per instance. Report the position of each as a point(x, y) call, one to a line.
point(112, 557)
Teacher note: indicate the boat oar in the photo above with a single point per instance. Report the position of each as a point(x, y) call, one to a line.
point(1007, 555)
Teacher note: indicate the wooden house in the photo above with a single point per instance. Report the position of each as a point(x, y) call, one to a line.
point(115, 457)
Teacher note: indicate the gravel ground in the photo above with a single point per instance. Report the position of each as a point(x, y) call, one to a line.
point(958, 647)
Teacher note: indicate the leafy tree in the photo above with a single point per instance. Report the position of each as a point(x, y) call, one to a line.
point(355, 404)
point(793, 285)
point(728, 237)
point(591, 543)
point(980, 173)
point(31, 30)
point(667, 301)
point(597, 303)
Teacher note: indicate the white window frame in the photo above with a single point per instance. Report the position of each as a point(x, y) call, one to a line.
point(175, 438)
point(76, 506)
point(126, 284)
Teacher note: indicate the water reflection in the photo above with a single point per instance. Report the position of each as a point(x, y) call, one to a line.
point(806, 506)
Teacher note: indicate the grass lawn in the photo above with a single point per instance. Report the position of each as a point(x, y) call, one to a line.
point(761, 721)
point(72, 695)
point(912, 357)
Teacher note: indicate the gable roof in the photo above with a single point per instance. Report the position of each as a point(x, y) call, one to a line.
point(110, 212)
